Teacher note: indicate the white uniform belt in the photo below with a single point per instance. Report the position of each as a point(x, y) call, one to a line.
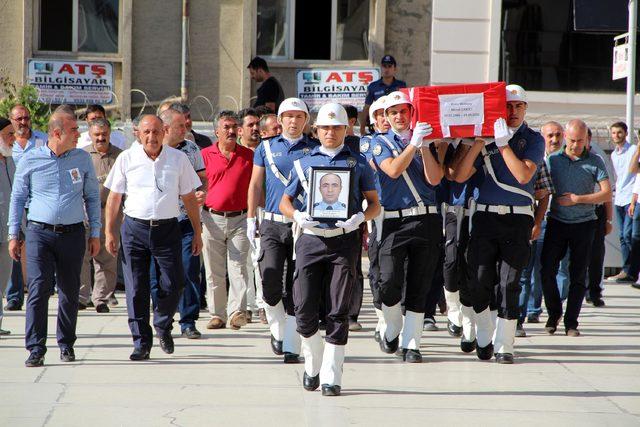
point(277, 218)
point(455, 209)
point(504, 209)
point(414, 211)
point(325, 232)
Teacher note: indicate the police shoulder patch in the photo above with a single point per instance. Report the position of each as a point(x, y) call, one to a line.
point(377, 150)
point(364, 146)
point(351, 162)
point(306, 150)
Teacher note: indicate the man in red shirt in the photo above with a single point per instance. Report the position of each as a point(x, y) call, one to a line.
point(228, 167)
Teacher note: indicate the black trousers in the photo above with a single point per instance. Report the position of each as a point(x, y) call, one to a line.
point(414, 242)
point(374, 267)
point(276, 264)
point(141, 244)
point(320, 260)
point(357, 292)
point(436, 290)
point(455, 268)
point(596, 264)
point(502, 241)
point(558, 237)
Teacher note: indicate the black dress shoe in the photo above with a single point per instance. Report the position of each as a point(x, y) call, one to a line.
point(291, 357)
point(67, 355)
point(411, 356)
point(276, 346)
point(330, 390)
point(376, 336)
point(34, 360)
point(82, 306)
point(310, 383)
point(467, 346)
point(102, 308)
point(484, 353)
point(139, 354)
point(389, 347)
point(191, 333)
point(504, 358)
point(454, 331)
point(166, 343)
point(13, 306)
point(551, 326)
point(598, 302)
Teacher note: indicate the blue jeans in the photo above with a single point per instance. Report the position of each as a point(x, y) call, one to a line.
point(15, 287)
point(625, 222)
point(189, 305)
point(531, 283)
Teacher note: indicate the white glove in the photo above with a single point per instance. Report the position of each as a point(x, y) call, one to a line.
point(421, 131)
point(251, 231)
point(502, 132)
point(352, 223)
point(303, 219)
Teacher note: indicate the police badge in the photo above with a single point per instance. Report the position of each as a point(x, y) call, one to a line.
point(306, 150)
point(364, 146)
point(377, 150)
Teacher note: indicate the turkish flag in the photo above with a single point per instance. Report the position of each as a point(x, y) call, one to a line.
point(459, 111)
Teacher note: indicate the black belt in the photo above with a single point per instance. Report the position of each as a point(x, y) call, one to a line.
point(59, 228)
point(154, 222)
point(226, 214)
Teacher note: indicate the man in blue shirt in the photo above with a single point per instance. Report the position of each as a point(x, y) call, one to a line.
point(502, 223)
point(571, 223)
point(61, 185)
point(272, 168)
point(381, 87)
point(411, 231)
point(327, 249)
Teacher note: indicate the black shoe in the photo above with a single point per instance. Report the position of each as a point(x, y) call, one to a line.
point(635, 285)
point(484, 353)
point(533, 318)
point(102, 308)
point(551, 326)
point(291, 357)
point(454, 331)
point(330, 390)
point(467, 346)
point(310, 383)
point(82, 306)
point(166, 343)
point(34, 360)
point(13, 306)
point(191, 333)
point(389, 347)
point(67, 355)
point(139, 354)
point(587, 299)
point(376, 336)
point(520, 332)
point(598, 302)
point(276, 346)
point(411, 356)
point(504, 358)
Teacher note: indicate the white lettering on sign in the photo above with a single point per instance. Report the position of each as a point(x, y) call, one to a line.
point(461, 109)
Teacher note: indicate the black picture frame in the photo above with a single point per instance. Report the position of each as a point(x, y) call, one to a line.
point(323, 204)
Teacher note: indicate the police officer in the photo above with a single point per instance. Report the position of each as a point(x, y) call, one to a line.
point(411, 233)
point(273, 163)
point(502, 222)
point(327, 250)
point(379, 124)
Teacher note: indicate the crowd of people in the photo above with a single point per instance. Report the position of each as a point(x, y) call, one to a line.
point(269, 222)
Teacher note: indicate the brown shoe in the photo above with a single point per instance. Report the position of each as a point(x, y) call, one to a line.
point(248, 314)
point(573, 333)
point(237, 320)
point(263, 316)
point(216, 323)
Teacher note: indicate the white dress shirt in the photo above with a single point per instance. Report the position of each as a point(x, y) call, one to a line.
point(117, 138)
point(152, 187)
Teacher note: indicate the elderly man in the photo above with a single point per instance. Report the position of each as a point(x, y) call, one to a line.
point(7, 170)
point(226, 247)
point(571, 223)
point(153, 176)
point(95, 112)
point(60, 183)
point(269, 126)
point(103, 155)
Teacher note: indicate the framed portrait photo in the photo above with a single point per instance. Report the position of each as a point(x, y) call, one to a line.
point(329, 193)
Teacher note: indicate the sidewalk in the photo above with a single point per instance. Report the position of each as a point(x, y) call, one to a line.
point(231, 378)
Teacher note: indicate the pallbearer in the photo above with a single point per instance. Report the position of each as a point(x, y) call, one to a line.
point(328, 245)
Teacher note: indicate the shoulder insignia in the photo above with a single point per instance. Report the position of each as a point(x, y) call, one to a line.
point(306, 150)
point(364, 146)
point(316, 204)
point(351, 162)
point(377, 150)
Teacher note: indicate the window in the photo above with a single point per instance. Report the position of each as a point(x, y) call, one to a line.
point(79, 26)
point(542, 51)
point(320, 30)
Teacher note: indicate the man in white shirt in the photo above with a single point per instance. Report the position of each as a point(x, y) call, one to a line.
point(92, 113)
point(153, 177)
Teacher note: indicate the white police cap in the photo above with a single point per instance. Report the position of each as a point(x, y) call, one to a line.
point(293, 104)
point(396, 98)
point(332, 114)
point(376, 105)
point(516, 93)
